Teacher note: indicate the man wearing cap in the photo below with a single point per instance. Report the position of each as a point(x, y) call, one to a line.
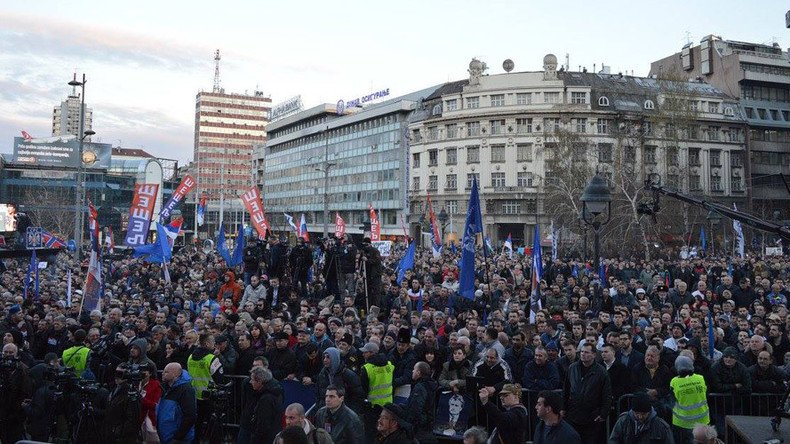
point(392, 426)
point(640, 425)
point(403, 358)
point(76, 356)
point(691, 402)
point(352, 358)
point(226, 354)
point(377, 375)
point(282, 360)
point(730, 375)
point(512, 423)
point(677, 333)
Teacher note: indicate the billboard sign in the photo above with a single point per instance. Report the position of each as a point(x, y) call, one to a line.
point(62, 152)
point(286, 108)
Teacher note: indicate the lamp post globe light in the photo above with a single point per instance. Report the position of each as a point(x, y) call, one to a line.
point(81, 160)
point(597, 208)
point(713, 218)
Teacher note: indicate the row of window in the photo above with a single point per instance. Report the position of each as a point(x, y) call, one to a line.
point(768, 114)
point(524, 179)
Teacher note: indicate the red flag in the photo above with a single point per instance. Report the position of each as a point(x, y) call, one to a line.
point(375, 226)
point(252, 200)
point(340, 226)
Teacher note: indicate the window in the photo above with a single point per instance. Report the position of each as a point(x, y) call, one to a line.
point(452, 156)
point(437, 110)
point(497, 180)
point(551, 124)
point(451, 182)
point(761, 113)
point(603, 101)
point(416, 136)
point(692, 104)
point(523, 126)
point(497, 100)
point(694, 182)
point(551, 97)
point(749, 113)
point(472, 154)
point(473, 129)
point(736, 184)
point(524, 152)
point(433, 183)
point(473, 102)
point(452, 130)
point(604, 152)
point(693, 132)
point(715, 158)
point(672, 156)
point(728, 111)
point(523, 98)
point(649, 104)
point(713, 107)
point(715, 184)
point(525, 179)
point(786, 115)
point(415, 183)
point(451, 104)
point(433, 133)
point(713, 133)
point(497, 126)
point(578, 98)
point(452, 206)
point(511, 207)
point(470, 177)
point(603, 126)
point(650, 154)
point(694, 159)
point(647, 128)
point(433, 157)
point(581, 125)
point(774, 114)
point(736, 158)
point(578, 152)
point(415, 160)
point(497, 153)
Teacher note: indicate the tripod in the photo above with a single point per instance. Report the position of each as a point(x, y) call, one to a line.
point(217, 432)
point(86, 428)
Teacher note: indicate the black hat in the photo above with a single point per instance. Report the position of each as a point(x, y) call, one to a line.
point(399, 413)
point(641, 403)
point(79, 336)
point(347, 338)
point(220, 339)
point(661, 287)
point(281, 336)
point(404, 336)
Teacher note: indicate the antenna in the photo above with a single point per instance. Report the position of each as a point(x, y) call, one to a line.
point(567, 61)
point(688, 37)
point(217, 58)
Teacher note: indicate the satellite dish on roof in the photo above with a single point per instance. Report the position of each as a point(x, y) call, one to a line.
point(508, 65)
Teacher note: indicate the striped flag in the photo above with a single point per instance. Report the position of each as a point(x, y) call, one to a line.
point(535, 304)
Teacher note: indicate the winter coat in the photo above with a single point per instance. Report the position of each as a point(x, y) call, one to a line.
point(282, 363)
point(517, 361)
point(253, 294)
point(511, 425)
point(122, 417)
point(343, 425)
point(495, 376)
point(541, 377)
point(420, 407)
point(404, 364)
point(452, 371)
point(177, 411)
point(143, 359)
point(561, 433)
point(725, 378)
point(627, 431)
point(262, 413)
point(587, 397)
point(338, 374)
point(230, 288)
point(770, 380)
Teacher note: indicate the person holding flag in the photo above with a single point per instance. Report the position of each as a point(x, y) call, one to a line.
point(436, 240)
point(474, 226)
point(508, 245)
point(535, 304)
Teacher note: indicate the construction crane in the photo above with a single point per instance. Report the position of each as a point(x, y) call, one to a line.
point(651, 208)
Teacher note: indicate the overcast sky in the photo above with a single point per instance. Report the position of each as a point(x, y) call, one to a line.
point(146, 63)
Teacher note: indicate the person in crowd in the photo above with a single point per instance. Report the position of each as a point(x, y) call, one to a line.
point(295, 417)
point(335, 373)
point(226, 353)
point(765, 376)
point(343, 425)
point(705, 434)
point(730, 375)
point(540, 373)
point(176, 411)
point(517, 355)
point(256, 423)
point(552, 428)
point(17, 391)
point(475, 435)
point(619, 375)
point(282, 360)
point(511, 424)
point(421, 405)
point(492, 370)
point(150, 394)
point(588, 396)
point(393, 426)
point(122, 416)
point(204, 367)
point(455, 371)
point(641, 424)
point(691, 403)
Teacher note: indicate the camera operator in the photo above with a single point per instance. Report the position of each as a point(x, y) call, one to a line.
point(77, 356)
point(252, 259)
point(204, 367)
point(347, 260)
point(372, 267)
point(300, 259)
point(16, 387)
point(122, 417)
point(42, 408)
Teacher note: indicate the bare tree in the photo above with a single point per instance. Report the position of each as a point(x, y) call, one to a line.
point(51, 208)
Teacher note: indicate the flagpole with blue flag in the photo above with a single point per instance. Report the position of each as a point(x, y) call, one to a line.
point(711, 337)
point(34, 263)
point(474, 225)
point(407, 263)
point(222, 248)
point(535, 304)
point(702, 240)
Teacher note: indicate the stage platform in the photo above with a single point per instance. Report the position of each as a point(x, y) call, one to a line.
point(755, 430)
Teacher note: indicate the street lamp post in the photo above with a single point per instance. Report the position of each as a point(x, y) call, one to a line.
point(443, 220)
point(80, 190)
point(326, 166)
point(597, 201)
point(714, 218)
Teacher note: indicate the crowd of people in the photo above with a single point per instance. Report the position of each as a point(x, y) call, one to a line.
point(377, 347)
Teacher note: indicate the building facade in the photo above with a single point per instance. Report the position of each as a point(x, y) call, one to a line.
point(758, 75)
point(227, 126)
point(528, 137)
point(364, 151)
point(66, 117)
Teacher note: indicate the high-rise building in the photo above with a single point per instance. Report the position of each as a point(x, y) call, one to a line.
point(759, 75)
point(227, 127)
point(66, 117)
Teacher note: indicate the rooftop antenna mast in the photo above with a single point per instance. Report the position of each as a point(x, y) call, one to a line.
point(217, 58)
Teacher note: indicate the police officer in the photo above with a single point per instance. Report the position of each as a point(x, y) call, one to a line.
point(376, 377)
point(691, 402)
point(204, 367)
point(77, 356)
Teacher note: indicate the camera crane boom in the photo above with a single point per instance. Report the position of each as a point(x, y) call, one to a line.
point(653, 184)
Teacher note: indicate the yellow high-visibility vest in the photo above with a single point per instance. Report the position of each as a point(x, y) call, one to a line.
point(691, 405)
point(380, 381)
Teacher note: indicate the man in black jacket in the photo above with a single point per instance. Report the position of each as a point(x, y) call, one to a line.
point(420, 407)
point(512, 424)
point(347, 260)
point(403, 358)
point(588, 396)
point(122, 417)
point(282, 360)
point(261, 415)
point(300, 260)
point(17, 388)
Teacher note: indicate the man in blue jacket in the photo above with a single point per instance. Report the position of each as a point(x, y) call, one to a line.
point(177, 409)
point(540, 373)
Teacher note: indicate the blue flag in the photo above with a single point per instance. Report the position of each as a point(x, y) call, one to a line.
point(407, 263)
point(34, 264)
point(221, 247)
point(474, 225)
point(535, 304)
point(158, 252)
point(238, 252)
point(702, 241)
point(711, 338)
point(602, 273)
